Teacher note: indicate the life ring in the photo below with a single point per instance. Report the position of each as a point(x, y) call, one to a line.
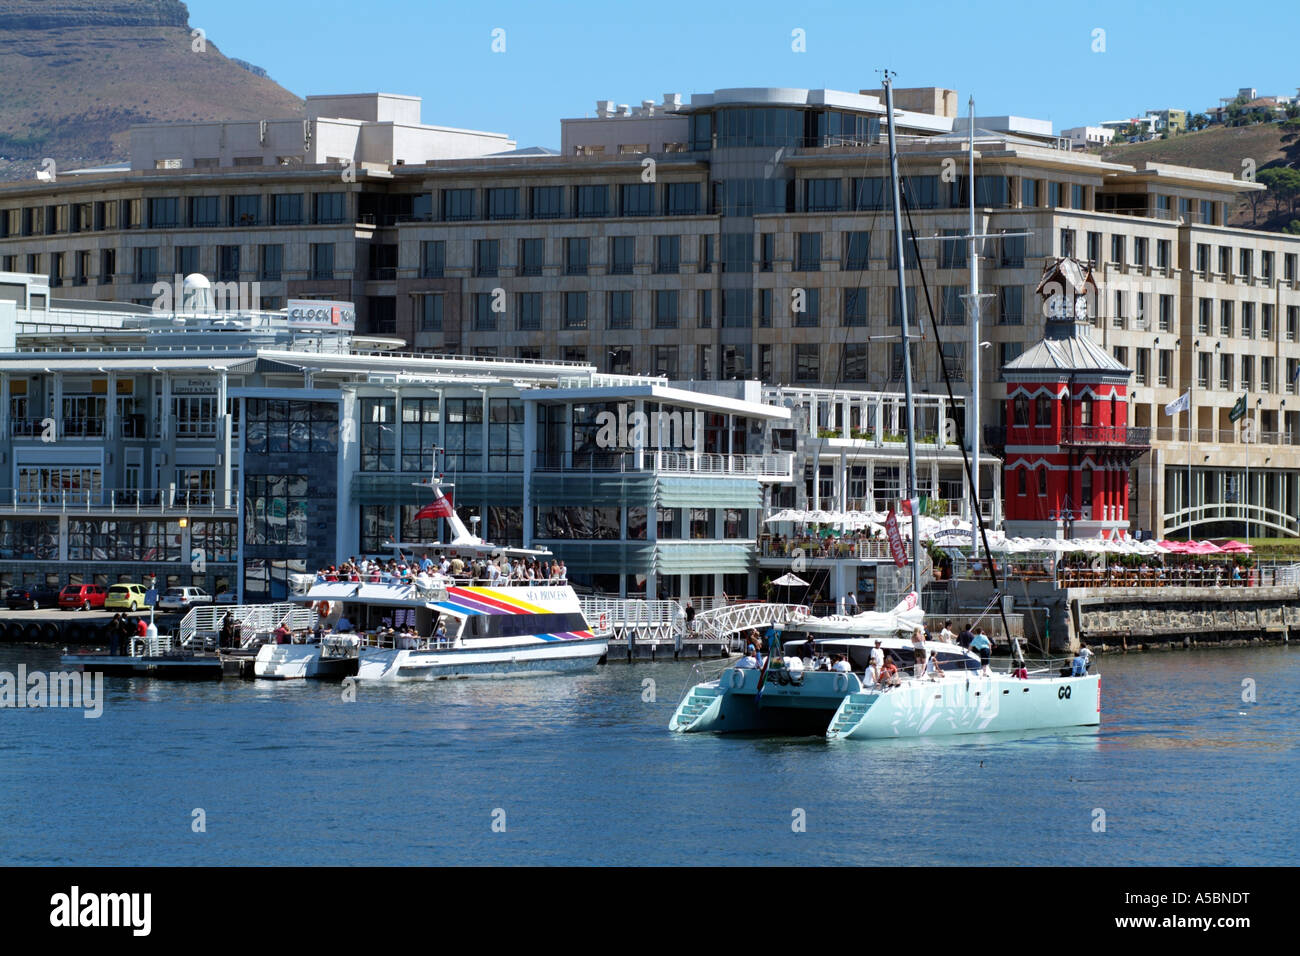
point(841, 682)
point(323, 608)
point(737, 678)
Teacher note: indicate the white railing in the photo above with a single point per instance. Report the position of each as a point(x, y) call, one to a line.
point(723, 622)
point(141, 501)
point(201, 626)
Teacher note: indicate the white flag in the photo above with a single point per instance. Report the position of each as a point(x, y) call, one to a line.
point(1181, 404)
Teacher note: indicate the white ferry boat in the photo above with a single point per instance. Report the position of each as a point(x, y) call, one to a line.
point(454, 627)
point(788, 696)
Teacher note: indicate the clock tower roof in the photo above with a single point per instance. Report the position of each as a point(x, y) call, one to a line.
point(1067, 287)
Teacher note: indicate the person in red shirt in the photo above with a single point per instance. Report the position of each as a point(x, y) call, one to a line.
point(140, 627)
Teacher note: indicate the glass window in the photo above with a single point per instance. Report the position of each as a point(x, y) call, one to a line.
point(622, 255)
point(636, 199)
point(464, 434)
point(378, 433)
point(431, 312)
point(591, 201)
point(575, 256)
point(275, 510)
point(821, 195)
point(457, 205)
point(487, 257)
point(433, 258)
point(667, 254)
point(682, 199)
point(532, 256)
point(286, 209)
point(575, 310)
point(205, 211)
point(271, 262)
point(505, 434)
point(546, 202)
point(620, 310)
point(530, 311)
point(245, 210)
point(503, 203)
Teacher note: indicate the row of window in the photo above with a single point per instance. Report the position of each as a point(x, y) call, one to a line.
point(1239, 372)
point(174, 212)
point(1228, 325)
point(583, 201)
point(149, 264)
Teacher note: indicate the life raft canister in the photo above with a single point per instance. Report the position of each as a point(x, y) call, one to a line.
point(323, 608)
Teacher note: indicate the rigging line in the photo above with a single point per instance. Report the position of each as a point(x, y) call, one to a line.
point(961, 433)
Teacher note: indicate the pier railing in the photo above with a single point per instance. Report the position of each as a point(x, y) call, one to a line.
point(200, 628)
point(774, 466)
point(141, 501)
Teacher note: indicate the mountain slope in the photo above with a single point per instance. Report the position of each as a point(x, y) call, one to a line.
point(75, 75)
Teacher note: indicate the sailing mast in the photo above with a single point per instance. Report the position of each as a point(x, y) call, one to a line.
point(972, 266)
point(907, 351)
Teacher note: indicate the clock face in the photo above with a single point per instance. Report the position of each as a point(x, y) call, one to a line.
point(1081, 307)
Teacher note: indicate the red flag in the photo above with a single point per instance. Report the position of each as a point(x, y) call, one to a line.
point(438, 509)
point(895, 539)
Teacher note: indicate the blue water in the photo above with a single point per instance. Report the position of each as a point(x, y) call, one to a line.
point(586, 772)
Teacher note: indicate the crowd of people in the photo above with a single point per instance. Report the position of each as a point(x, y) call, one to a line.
point(496, 570)
point(882, 670)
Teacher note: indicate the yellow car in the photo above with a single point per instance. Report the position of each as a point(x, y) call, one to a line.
point(126, 597)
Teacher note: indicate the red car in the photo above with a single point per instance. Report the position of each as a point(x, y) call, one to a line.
point(84, 596)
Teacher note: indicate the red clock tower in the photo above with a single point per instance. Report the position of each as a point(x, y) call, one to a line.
point(1066, 443)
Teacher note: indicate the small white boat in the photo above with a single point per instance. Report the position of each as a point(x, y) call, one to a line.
point(334, 656)
point(962, 698)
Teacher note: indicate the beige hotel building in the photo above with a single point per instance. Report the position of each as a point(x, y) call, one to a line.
point(745, 234)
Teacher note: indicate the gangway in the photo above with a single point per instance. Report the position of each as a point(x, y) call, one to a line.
point(651, 629)
point(201, 627)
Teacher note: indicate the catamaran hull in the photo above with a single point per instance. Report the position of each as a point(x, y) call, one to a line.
point(982, 705)
point(531, 660)
point(299, 661)
point(837, 706)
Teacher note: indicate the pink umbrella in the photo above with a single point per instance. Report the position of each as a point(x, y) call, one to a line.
point(1236, 547)
point(1178, 547)
point(1204, 547)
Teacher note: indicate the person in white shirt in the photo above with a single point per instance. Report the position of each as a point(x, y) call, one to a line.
point(878, 658)
point(841, 666)
point(919, 651)
point(947, 635)
point(872, 675)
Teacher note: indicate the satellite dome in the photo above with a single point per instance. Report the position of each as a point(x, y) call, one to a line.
point(196, 293)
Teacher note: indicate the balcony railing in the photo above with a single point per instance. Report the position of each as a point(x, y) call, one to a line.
point(1105, 435)
point(63, 427)
point(118, 501)
point(775, 466)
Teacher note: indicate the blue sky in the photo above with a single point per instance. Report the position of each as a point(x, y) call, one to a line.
point(1030, 59)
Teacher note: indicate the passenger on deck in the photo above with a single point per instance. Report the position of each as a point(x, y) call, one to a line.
point(878, 657)
point(841, 665)
point(932, 668)
point(440, 632)
point(871, 677)
point(343, 625)
point(981, 646)
point(1021, 671)
point(1086, 651)
point(750, 660)
point(919, 652)
point(889, 676)
point(283, 635)
point(1079, 667)
point(947, 635)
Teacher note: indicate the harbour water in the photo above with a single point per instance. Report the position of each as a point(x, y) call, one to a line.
point(582, 769)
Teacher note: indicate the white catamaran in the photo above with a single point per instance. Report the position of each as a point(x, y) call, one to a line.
point(421, 626)
point(787, 693)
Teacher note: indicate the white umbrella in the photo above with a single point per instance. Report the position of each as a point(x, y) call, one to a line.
point(790, 580)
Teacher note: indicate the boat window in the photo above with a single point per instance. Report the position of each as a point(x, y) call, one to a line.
point(517, 625)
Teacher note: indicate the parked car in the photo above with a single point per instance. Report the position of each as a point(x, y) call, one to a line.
point(126, 597)
point(225, 597)
point(181, 599)
point(84, 596)
point(34, 596)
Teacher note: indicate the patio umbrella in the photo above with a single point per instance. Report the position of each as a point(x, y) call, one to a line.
point(790, 580)
point(1236, 547)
